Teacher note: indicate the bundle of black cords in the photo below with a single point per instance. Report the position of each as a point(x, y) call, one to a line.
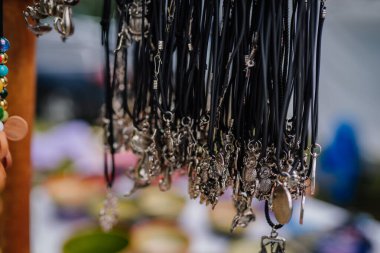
point(240, 74)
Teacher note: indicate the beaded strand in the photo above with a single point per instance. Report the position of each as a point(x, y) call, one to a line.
point(4, 47)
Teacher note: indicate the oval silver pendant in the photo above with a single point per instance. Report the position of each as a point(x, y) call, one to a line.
point(282, 204)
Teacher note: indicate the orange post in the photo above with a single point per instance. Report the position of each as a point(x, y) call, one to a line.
point(21, 100)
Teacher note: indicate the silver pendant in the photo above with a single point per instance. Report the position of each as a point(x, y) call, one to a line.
point(273, 243)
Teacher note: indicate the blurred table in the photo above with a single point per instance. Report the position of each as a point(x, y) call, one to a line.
point(49, 232)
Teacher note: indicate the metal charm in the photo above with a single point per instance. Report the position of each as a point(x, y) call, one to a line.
point(314, 154)
point(141, 144)
point(168, 139)
point(108, 215)
point(264, 182)
point(245, 213)
point(134, 29)
point(59, 10)
point(275, 243)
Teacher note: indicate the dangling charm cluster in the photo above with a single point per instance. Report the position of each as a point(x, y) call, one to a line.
point(59, 10)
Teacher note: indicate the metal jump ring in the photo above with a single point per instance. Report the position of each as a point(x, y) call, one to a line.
point(316, 150)
point(168, 116)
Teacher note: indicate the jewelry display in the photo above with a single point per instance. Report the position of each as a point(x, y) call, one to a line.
point(226, 91)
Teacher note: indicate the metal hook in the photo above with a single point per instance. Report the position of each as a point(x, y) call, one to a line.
point(63, 24)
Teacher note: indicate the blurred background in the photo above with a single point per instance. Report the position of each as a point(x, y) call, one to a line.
point(68, 187)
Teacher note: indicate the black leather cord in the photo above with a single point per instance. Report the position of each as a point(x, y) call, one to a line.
point(268, 218)
point(105, 23)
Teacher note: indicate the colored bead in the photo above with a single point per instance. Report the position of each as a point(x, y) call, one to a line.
point(3, 58)
point(1, 126)
point(5, 116)
point(1, 113)
point(3, 70)
point(4, 104)
point(4, 45)
point(4, 93)
point(3, 82)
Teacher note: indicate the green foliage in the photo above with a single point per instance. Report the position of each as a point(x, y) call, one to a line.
point(89, 7)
